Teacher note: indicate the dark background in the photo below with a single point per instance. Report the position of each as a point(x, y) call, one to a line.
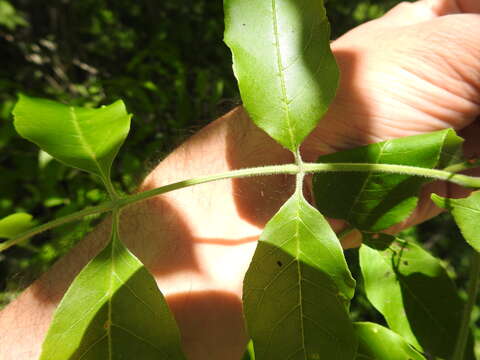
point(167, 61)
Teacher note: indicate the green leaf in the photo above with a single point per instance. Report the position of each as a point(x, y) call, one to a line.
point(249, 353)
point(298, 287)
point(282, 60)
point(10, 17)
point(466, 213)
point(413, 292)
point(373, 201)
point(88, 139)
point(113, 310)
point(379, 343)
point(15, 224)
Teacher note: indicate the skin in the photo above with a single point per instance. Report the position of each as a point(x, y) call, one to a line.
point(412, 71)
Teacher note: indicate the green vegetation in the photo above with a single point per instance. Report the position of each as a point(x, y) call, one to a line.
point(176, 76)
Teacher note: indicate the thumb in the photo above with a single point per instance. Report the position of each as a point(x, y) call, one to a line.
point(445, 7)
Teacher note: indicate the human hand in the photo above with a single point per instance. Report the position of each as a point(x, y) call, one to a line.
point(414, 70)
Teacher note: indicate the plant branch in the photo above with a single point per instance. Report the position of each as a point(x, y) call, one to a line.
point(473, 286)
point(463, 180)
point(465, 165)
point(292, 169)
point(301, 172)
point(130, 199)
point(104, 207)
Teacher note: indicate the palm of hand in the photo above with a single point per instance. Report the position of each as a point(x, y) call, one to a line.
point(403, 79)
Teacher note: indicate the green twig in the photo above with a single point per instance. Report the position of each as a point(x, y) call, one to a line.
point(107, 206)
point(473, 285)
point(345, 232)
point(463, 180)
point(465, 165)
point(300, 172)
point(292, 169)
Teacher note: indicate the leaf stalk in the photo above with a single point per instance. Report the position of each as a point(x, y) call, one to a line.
point(472, 291)
point(292, 169)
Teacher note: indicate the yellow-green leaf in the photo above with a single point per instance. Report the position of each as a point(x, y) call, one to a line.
point(88, 139)
point(466, 213)
point(15, 224)
point(297, 289)
point(282, 60)
point(113, 310)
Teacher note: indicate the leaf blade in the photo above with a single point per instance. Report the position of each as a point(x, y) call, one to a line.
point(126, 316)
point(413, 292)
point(282, 60)
point(88, 139)
point(466, 213)
point(298, 278)
point(15, 224)
point(375, 201)
point(377, 342)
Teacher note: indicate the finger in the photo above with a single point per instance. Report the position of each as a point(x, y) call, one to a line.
point(446, 7)
point(407, 13)
point(469, 6)
point(442, 7)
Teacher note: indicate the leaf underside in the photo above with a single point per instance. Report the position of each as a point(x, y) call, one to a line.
point(297, 289)
point(113, 310)
point(373, 201)
point(379, 343)
point(413, 292)
point(15, 224)
point(466, 213)
point(88, 139)
point(282, 60)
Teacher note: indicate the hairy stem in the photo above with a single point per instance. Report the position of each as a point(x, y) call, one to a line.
point(463, 180)
point(301, 171)
point(472, 292)
point(106, 206)
point(292, 169)
point(462, 166)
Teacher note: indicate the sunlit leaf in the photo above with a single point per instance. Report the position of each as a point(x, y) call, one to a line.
point(376, 342)
point(466, 213)
point(298, 287)
point(282, 60)
point(88, 139)
point(15, 224)
point(249, 353)
point(413, 292)
point(374, 201)
point(113, 310)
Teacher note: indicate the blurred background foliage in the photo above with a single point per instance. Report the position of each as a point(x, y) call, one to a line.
point(167, 61)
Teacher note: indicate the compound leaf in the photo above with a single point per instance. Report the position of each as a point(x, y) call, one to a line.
point(376, 342)
point(298, 287)
point(88, 139)
point(413, 292)
point(113, 310)
point(373, 201)
point(15, 224)
point(282, 60)
point(466, 213)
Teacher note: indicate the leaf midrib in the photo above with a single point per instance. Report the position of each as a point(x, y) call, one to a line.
point(83, 141)
point(365, 183)
point(440, 325)
point(299, 271)
point(280, 72)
